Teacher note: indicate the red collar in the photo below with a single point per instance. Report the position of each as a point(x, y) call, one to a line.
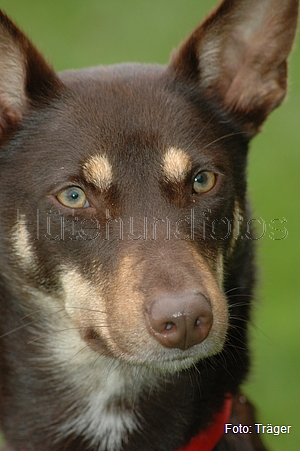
point(207, 440)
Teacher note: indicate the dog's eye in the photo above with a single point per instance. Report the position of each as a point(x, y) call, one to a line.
point(204, 182)
point(73, 197)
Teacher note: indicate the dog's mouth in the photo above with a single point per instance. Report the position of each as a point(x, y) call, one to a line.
point(95, 342)
point(158, 360)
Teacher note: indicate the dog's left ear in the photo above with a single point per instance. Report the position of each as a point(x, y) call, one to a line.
point(238, 57)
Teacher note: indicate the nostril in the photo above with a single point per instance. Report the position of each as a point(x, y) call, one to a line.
point(180, 320)
point(169, 326)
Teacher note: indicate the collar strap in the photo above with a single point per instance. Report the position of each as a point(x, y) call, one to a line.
point(206, 440)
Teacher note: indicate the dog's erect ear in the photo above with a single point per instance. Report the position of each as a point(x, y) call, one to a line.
point(25, 78)
point(238, 56)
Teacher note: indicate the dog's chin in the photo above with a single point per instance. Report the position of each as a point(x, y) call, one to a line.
point(172, 364)
point(169, 367)
point(161, 367)
point(154, 367)
point(161, 361)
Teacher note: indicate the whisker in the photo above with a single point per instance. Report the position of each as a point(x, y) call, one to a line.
point(16, 329)
point(201, 131)
point(228, 135)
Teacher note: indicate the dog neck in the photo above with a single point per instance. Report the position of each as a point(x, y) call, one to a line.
point(206, 440)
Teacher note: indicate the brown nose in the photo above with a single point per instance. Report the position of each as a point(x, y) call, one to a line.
point(180, 320)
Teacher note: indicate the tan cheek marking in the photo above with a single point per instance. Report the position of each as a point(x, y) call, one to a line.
point(106, 308)
point(176, 164)
point(84, 300)
point(220, 271)
point(22, 246)
point(98, 170)
point(237, 219)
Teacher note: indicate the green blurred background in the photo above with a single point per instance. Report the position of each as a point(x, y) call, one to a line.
point(73, 34)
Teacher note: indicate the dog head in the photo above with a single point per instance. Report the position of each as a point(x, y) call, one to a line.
point(123, 192)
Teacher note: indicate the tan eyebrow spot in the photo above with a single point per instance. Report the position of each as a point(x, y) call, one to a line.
point(176, 164)
point(98, 170)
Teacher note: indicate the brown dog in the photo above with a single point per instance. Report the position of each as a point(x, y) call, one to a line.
point(126, 265)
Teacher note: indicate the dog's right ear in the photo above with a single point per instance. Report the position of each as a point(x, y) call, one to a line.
point(26, 79)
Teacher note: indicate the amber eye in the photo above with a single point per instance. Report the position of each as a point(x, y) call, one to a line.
point(73, 197)
point(204, 182)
